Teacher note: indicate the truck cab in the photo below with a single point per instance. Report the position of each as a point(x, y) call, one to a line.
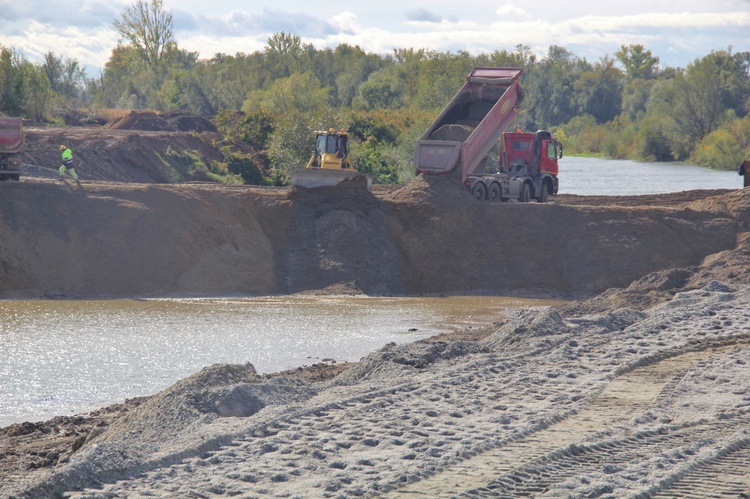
point(538, 151)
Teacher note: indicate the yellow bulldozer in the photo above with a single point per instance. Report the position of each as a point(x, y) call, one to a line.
point(329, 163)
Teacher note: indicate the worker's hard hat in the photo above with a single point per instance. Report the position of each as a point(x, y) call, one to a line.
point(62, 148)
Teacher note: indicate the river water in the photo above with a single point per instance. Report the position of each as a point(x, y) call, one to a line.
point(598, 177)
point(68, 357)
point(71, 356)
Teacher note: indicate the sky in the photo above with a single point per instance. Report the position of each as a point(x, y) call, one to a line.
point(675, 31)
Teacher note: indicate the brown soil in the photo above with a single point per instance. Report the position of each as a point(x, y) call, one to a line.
point(126, 232)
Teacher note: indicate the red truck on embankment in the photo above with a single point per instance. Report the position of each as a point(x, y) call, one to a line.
point(11, 142)
point(459, 139)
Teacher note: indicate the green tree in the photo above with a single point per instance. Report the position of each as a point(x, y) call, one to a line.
point(66, 76)
point(299, 93)
point(117, 80)
point(655, 140)
point(148, 28)
point(11, 82)
point(254, 129)
point(697, 105)
point(351, 67)
point(599, 91)
point(638, 62)
point(635, 97)
point(24, 88)
point(38, 94)
point(285, 55)
point(550, 95)
point(382, 90)
point(726, 147)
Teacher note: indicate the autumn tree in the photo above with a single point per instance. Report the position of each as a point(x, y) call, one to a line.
point(66, 76)
point(148, 28)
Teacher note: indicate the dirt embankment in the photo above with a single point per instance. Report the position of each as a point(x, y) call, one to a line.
point(131, 148)
point(428, 237)
point(127, 232)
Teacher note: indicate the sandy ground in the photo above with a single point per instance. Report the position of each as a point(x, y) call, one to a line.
point(648, 403)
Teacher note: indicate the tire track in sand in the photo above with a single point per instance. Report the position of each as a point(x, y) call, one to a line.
point(724, 476)
point(623, 398)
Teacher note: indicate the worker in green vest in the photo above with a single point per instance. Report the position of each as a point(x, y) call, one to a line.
point(67, 160)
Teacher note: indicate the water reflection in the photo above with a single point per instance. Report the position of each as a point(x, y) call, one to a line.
point(613, 177)
point(63, 357)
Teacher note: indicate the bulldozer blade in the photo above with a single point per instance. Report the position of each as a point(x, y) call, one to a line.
point(311, 178)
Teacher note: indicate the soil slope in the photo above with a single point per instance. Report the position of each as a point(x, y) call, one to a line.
point(127, 232)
point(104, 239)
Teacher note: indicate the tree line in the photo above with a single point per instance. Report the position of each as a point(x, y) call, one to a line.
point(625, 105)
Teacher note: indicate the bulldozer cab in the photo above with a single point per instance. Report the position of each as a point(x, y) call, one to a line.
point(331, 150)
point(329, 165)
point(332, 143)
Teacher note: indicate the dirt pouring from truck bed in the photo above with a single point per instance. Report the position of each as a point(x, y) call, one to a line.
point(635, 387)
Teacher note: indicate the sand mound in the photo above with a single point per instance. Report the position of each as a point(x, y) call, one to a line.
point(393, 363)
point(444, 190)
point(221, 390)
point(169, 425)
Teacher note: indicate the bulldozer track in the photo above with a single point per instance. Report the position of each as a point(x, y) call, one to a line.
point(725, 476)
point(532, 465)
point(540, 475)
point(325, 444)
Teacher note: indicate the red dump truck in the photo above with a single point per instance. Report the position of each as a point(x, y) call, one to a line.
point(459, 139)
point(11, 141)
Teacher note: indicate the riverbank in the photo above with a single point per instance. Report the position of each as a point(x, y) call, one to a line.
point(624, 402)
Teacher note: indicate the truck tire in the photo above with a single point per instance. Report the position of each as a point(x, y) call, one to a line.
point(525, 193)
point(543, 194)
point(495, 193)
point(479, 191)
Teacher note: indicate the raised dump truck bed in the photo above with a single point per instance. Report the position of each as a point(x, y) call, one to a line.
point(11, 142)
point(471, 123)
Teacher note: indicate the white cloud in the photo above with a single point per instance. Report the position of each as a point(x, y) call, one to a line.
point(510, 10)
point(346, 22)
point(586, 29)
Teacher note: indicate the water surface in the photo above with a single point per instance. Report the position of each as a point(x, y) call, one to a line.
point(72, 356)
point(613, 177)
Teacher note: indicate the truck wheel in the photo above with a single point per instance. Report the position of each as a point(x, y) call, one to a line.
point(479, 191)
point(525, 194)
point(495, 194)
point(543, 195)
